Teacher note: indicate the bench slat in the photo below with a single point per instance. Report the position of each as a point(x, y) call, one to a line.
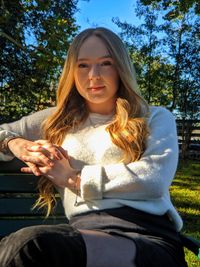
point(23, 206)
point(18, 183)
point(17, 195)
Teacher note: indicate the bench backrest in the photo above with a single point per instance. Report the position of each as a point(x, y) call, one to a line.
point(18, 193)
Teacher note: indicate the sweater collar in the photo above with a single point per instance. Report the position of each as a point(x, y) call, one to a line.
point(98, 119)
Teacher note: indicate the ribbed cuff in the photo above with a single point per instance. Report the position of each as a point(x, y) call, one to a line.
point(4, 134)
point(91, 182)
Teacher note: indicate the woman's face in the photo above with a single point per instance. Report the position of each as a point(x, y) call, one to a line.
point(96, 77)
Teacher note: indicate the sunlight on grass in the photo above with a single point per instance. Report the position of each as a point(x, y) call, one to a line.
point(185, 193)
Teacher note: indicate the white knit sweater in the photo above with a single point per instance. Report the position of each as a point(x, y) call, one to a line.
point(106, 183)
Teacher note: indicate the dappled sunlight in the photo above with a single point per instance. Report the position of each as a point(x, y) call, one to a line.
point(190, 183)
point(190, 212)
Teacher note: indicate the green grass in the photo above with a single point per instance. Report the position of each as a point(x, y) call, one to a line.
point(185, 193)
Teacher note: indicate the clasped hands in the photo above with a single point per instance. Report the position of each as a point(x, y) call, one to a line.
point(47, 159)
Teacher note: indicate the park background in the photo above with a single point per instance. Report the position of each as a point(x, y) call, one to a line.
point(162, 37)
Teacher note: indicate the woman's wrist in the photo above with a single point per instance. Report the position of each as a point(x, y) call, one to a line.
point(74, 173)
point(4, 146)
point(73, 180)
point(76, 177)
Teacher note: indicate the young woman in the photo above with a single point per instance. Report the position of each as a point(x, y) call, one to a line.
point(111, 157)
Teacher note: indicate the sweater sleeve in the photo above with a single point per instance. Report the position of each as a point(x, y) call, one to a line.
point(29, 127)
point(148, 178)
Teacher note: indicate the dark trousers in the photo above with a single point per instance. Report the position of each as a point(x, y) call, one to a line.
point(43, 245)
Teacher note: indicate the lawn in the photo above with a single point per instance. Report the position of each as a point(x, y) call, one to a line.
point(185, 193)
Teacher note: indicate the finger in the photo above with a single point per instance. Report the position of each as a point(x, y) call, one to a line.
point(54, 152)
point(26, 169)
point(40, 160)
point(50, 151)
point(64, 152)
point(32, 168)
point(57, 151)
point(33, 148)
point(44, 170)
point(42, 142)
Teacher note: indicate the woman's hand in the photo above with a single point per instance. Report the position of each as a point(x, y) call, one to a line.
point(59, 172)
point(62, 174)
point(34, 154)
point(43, 153)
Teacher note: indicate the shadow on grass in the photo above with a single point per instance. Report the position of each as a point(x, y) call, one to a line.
point(185, 194)
point(184, 204)
point(191, 218)
point(186, 184)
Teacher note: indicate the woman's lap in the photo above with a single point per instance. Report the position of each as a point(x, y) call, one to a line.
point(156, 242)
point(62, 245)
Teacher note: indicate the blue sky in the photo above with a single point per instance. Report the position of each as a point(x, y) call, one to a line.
point(100, 13)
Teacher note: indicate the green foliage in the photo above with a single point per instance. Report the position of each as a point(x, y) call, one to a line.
point(182, 43)
point(174, 7)
point(186, 198)
point(145, 49)
point(34, 38)
point(166, 55)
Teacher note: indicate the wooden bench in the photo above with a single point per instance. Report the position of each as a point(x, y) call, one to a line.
point(17, 196)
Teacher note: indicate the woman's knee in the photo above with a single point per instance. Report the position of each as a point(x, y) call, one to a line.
point(18, 242)
point(28, 234)
point(32, 243)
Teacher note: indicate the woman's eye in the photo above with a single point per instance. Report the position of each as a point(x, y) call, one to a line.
point(82, 65)
point(106, 63)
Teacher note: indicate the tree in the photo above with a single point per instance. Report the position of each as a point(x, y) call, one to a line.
point(167, 64)
point(181, 41)
point(34, 39)
point(144, 47)
point(182, 45)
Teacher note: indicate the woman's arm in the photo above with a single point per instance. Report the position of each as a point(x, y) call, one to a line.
point(29, 128)
point(150, 177)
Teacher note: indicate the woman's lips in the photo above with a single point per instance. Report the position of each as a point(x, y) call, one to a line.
point(96, 88)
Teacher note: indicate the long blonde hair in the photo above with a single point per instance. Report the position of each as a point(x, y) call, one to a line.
point(128, 130)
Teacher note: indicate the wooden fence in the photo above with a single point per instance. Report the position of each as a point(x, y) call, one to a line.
point(189, 138)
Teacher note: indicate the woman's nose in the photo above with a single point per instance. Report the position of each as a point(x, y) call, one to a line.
point(94, 72)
